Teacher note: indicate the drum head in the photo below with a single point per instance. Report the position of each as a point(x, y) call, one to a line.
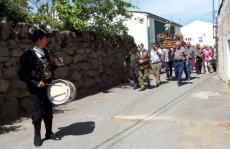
point(58, 92)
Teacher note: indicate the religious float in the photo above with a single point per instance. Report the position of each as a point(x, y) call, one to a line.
point(167, 40)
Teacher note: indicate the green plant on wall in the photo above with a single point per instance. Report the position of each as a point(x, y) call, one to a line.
point(14, 10)
point(103, 17)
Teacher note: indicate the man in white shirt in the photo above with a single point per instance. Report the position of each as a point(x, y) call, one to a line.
point(156, 58)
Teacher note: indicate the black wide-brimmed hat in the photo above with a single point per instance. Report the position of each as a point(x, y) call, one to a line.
point(133, 46)
point(39, 33)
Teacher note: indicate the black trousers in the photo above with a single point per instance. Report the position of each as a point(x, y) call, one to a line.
point(214, 65)
point(42, 105)
point(42, 110)
point(134, 76)
point(185, 70)
point(168, 68)
point(198, 66)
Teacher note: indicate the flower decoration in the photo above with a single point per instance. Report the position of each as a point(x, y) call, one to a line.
point(178, 37)
point(161, 37)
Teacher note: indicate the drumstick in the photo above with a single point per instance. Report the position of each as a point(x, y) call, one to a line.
point(53, 54)
point(58, 95)
point(52, 84)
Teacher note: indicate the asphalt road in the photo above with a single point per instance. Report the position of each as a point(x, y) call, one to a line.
point(193, 116)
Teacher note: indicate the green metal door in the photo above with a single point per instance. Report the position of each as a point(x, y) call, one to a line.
point(159, 28)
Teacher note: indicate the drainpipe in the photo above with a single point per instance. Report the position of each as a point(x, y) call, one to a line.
point(148, 31)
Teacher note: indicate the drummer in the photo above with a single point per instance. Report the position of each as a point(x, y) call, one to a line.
point(36, 69)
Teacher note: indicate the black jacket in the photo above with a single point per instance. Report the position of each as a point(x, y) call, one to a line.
point(131, 59)
point(31, 69)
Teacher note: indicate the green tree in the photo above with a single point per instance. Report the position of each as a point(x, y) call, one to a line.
point(14, 10)
point(103, 17)
point(69, 14)
point(106, 16)
point(41, 13)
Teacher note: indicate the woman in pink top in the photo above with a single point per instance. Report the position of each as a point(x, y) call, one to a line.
point(207, 58)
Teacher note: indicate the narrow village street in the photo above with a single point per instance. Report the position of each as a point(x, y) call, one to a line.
point(193, 116)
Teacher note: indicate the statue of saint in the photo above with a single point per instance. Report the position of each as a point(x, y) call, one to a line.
point(167, 27)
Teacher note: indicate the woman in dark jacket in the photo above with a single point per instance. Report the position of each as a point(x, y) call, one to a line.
point(199, 55)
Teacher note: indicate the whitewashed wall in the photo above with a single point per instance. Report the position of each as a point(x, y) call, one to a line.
point(198, 29)
point(223, 34)
point(138, 30)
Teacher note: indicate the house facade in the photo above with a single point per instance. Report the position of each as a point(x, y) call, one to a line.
point(223, 41)
point(145, 27)
point(198, 32)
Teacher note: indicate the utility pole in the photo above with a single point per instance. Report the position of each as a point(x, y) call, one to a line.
point(214, 19)
point(179, 20)
point(134, 1)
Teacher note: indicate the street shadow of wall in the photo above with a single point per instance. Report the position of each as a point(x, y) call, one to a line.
point(8, 125)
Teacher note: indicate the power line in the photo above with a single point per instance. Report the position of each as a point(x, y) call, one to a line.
point(134, 1)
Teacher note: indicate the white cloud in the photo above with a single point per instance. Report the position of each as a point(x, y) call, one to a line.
point(184, 11)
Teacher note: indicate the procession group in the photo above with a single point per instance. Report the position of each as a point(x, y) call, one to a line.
point(182, 58)
point(37, 70)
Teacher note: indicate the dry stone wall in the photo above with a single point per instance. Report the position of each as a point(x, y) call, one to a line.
point(90, 62)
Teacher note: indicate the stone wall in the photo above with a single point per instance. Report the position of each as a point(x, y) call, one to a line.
point(223, 34)
point(90, 62)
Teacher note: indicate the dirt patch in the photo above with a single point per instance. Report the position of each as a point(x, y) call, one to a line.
point(225, 125)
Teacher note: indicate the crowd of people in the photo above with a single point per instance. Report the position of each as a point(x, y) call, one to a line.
point(181, 58)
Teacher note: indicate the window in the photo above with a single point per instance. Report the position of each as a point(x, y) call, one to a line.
point(200, 39)
point(188, 39)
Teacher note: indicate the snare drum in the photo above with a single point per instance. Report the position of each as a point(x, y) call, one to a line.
point(61, 91)
point(73, 91)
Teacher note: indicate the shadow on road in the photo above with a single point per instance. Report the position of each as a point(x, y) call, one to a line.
point(194, 78)
point(8, 124)
point(185, 83)
point(4, 130)
point(75, 129)
point(164, 82)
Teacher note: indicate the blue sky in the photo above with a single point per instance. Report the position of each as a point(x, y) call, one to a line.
point(180, 11)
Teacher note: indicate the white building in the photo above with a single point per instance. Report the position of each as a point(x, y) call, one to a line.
point(145, 27)
point(198, 32)
point(223, 42)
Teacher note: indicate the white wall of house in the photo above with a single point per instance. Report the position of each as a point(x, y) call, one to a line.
point(198, 32)
point(138, 30)
point(223, 44)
